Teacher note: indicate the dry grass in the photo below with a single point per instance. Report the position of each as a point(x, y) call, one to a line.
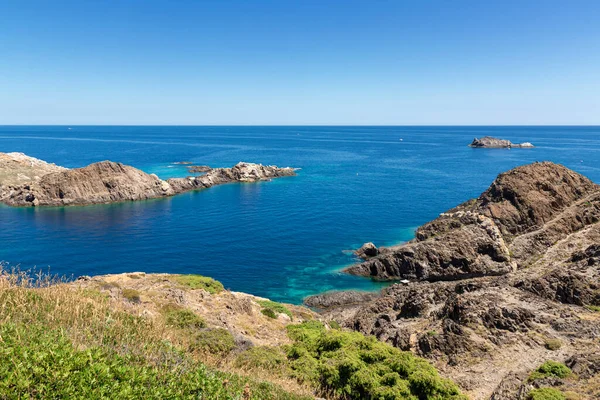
point(91, 319)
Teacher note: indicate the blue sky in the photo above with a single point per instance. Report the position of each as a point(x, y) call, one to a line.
point(300, 62)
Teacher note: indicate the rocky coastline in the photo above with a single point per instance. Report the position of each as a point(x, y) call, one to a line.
point(494, 287)
point(490, 142)
point(26, 181)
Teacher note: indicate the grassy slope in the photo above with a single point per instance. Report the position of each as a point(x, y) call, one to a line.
point(63, 342)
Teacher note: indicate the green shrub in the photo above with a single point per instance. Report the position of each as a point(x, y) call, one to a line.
point(353, 366)
point(271, 309)
point(553, 344)
point(334, 325)
point(269, 313)
point(551, 369)
point(199, 282)
point(594, 308)
point(546, 394)
point(39, 363)
point(131, 295)
point(213, 340)
point(182, 318)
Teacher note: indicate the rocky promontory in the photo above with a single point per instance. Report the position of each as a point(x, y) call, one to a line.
point(26, 181)
point(495, 287)
point(490, 142)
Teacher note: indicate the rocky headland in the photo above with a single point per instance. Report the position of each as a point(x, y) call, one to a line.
point(27, 181)
point(490, 142)
point(496, 287)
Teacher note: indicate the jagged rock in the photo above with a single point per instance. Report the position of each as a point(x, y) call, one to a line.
point(490, 142)
point(198, 168)
point(516, 219)
point(108, 182)
point(366, 251)
point(330, 299)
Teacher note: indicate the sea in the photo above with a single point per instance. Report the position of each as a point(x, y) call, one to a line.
point(283, 239)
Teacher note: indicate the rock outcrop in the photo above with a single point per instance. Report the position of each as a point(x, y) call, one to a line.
point(193, 169)
point(367, 251)
point(490, 142)
point(523, 212)
point(499, 284)
point(108, 182)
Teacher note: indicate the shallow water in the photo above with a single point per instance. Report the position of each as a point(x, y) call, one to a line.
point(283, 239)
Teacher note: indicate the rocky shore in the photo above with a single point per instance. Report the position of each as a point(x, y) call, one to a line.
point(496, 286)
point(490, 142)
point(26, 181)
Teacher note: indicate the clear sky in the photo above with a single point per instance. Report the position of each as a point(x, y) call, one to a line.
point(300, 62)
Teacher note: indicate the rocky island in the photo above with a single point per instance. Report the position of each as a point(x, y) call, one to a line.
point(27, 181)
point(490, 142)
point(497, 290)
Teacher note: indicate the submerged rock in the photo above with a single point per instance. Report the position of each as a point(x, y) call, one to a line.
point(495, 143)
point(108, 182)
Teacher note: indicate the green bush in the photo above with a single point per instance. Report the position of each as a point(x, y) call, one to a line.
point(546, 394)
point(182, 318)
point(131, 295)
point(269, 313)
point(594, 308)
point(334, 325)
point(271, 309)
point(353, 366)
point(553, 344)
point(39, 363)
point(199, 282)
point(551, 369)
point(213, 340)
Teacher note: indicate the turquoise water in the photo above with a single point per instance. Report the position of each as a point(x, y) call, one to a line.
point(283, 239)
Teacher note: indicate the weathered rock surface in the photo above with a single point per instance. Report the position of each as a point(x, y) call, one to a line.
point(198, 168)
point(523, 212)
point(366, 251)
point(494, 143)
point(499, 284)
point(108, 182)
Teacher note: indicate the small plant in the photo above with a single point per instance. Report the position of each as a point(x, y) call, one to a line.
point(214, 341)
point(432, 333)
point(269, 313)
point(182, 318)
point(593, 308)
point(271, 309)
point(552, 344)
point(131, 295)
point(546, 394)
point(551, 369)
point(334, 325)
point(199, 282)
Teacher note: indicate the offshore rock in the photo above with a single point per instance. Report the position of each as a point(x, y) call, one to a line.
point(108, 182)
point(489, 142)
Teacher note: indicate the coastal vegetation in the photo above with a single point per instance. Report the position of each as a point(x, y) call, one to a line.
point(62, 340)
point(199, 282)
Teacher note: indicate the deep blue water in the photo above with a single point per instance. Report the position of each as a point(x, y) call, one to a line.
point(283, 239)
